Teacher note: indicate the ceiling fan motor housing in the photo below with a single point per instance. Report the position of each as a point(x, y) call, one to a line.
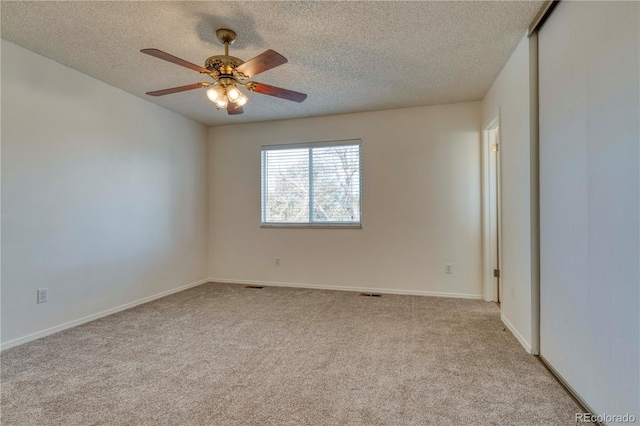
point(222, 64)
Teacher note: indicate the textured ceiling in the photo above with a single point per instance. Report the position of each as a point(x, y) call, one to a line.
point(347, 56)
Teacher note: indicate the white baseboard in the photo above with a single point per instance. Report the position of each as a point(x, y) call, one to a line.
point(346, 288)
point(39, 334)
point(74, 323)
point(516, 333)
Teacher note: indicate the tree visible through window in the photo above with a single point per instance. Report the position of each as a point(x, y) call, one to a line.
point(311, 184)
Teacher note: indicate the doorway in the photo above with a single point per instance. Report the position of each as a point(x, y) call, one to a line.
point(491, 211)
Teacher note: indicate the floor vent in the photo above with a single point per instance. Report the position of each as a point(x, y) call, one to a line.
point(371, 294)
point(254, 286)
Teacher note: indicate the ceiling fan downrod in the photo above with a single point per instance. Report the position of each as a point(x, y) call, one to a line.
point(226, 37)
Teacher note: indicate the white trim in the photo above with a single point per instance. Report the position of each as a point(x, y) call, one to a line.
point(534, 182)
point(310, 146)
point(487, 277)
point(39, 334)
point(349, 288)
point(490, 290)
point(516, 333)
point(319, 144)
point(311, 225)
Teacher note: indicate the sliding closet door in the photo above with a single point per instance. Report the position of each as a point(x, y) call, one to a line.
point(589, 76)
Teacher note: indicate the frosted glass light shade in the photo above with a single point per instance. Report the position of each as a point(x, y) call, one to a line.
point(233, 93)
point(242, 100)
point(221, 102)
point(215, 93)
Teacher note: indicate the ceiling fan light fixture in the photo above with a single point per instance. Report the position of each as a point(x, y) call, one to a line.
point(241, 100)
point(233, 93)
point(228, 73)
point(221, 102)
point(215, 93)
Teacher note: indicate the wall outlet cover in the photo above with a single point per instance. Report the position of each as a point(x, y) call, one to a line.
point(42, 295)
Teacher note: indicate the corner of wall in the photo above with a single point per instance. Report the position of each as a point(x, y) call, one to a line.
point(512, 93)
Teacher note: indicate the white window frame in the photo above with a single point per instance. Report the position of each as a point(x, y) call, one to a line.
point(325, 225)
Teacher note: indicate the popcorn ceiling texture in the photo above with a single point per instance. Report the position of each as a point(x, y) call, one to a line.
point(347, 56)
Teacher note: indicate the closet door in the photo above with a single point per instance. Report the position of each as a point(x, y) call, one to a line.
point(589, 73)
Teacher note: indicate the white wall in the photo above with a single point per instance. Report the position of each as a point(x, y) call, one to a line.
point(510, 94)
point(104, 198)
point(590, 201)
point(421, 205)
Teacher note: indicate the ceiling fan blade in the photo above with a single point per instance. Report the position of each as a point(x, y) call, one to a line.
point(165, 56)
point(278, 92)
point(261, 63)
point(232, 110)
point(176, 89)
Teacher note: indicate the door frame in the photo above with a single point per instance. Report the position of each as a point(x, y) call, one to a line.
point(490, 285)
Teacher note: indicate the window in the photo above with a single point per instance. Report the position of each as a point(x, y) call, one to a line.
point(314, 184)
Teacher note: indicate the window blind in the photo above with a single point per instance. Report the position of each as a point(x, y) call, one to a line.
point(315, 184)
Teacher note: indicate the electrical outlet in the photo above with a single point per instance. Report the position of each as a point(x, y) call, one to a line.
point(42, 295)
point(277, 261)
point(448, 269)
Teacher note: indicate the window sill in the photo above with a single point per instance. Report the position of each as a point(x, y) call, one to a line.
point(312, 226)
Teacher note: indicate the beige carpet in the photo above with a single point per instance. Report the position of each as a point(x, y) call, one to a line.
point(221, 354)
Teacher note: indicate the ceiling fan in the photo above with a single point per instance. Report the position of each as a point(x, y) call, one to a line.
point(228, 73)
